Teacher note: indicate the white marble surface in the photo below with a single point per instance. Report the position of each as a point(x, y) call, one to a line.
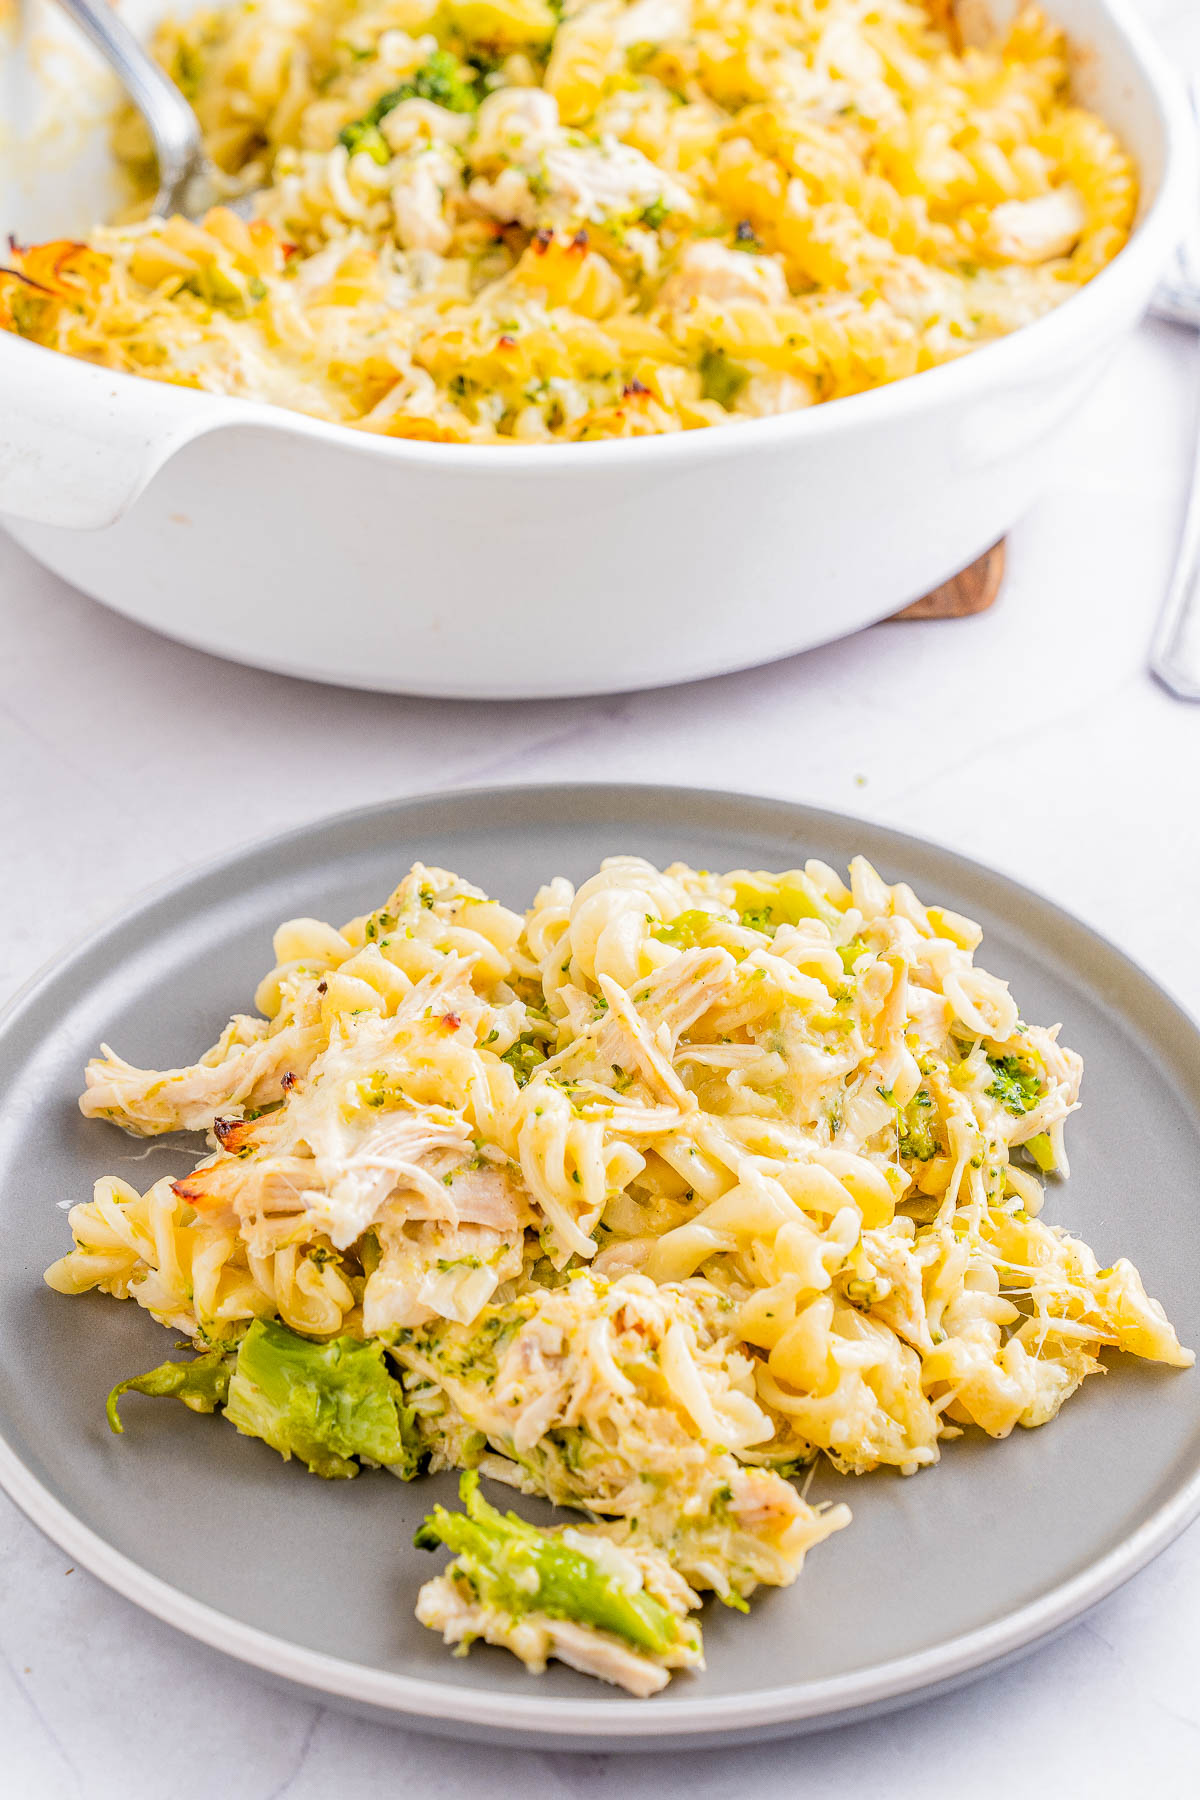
point(124, 758)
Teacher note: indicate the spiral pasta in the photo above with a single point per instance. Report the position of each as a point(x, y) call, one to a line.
point(651, 1196)
point(491, 221)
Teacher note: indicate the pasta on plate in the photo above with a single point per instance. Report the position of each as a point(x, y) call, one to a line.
point(642, 1202)
point(520, 221)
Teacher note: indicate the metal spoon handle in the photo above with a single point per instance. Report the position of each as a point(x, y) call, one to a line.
point(173, 124)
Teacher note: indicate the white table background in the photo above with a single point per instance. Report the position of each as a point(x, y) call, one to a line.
point(124, 758)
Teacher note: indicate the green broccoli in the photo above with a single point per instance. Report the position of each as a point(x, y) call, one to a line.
point(364, 135)
point(447, 82)
point(721, 379)
point(442, 79)
point(1042, 1152)
point(850, 953)
point(784, 899)
point(1017, 1088)
point(685, 930)
point(216, 287)
point(523, 1057)
point(201, 1384)
point(918, 1140)
point(325, 1403)
point(517, 1568)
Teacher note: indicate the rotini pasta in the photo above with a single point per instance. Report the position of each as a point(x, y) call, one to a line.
point(641, 1202)
point(496, 221)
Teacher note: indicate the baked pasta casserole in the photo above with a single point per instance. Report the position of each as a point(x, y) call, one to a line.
point(499, 221)
point(644, 1202)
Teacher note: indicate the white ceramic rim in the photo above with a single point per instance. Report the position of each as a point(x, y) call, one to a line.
point(989, 367)
point(416, 1699)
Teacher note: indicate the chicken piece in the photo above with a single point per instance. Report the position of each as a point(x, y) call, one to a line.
point(928, 1013)
point(439, 1269)
point(250, 1071)
point(426, 182)
point(899, 1300)
point(616, 1611)
point(446, 1604)
point(1062, 1074)
point(349, 1138)
point(265, 1201)
point(680, 993)
point(435, 1271)
point(1035, 231)
point(712, 271)
point(764, 396)
point(654, 22)
point(354, 1179)
point(644, 1037)
point(340, 1188)
point(579, 184)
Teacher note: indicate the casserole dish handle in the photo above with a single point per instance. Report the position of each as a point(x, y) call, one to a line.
point(78, 443)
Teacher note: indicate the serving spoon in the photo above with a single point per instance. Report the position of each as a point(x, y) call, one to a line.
point(187, 181)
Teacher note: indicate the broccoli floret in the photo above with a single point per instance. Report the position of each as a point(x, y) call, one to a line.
point(1017, 1088)
point(517, 1568)
point(201, 1384)
point(526, 1055)
point(447, 82)
point(784, 899)
point(721, 379)
point(1042, 1152)
point(442, 79)
point(918, 1140)
point(850, 953)
point(685, 930)
point(325, 1403)
point(364, 134)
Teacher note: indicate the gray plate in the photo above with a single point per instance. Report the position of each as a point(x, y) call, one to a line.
point(939, 1575)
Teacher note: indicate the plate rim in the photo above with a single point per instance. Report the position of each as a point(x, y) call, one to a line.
point(434, 1703)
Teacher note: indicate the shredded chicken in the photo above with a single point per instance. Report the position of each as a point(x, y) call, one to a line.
point(1034, 231)
point(654, 21)
point(437, 1271)
point(714, 272)
point(427, 179)
point(446, 1604)
point(150, 1101)
point(579, 184)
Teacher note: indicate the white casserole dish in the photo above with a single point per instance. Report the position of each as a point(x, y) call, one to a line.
point(523, 572)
